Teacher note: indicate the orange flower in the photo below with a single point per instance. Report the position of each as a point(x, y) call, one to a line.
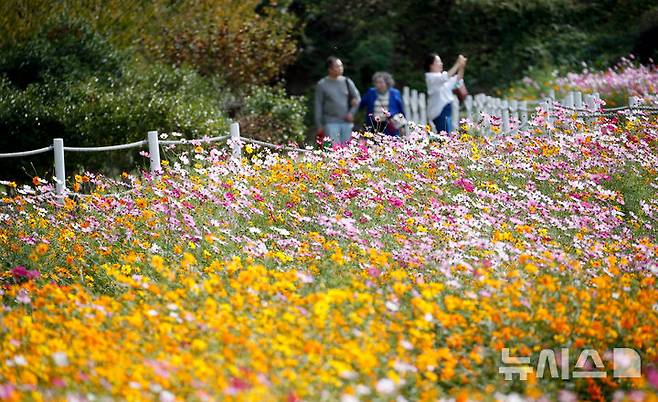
point(42, 248)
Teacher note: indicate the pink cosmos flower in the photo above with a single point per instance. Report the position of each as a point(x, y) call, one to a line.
point(23, 297)
point(464, 184)
point(395, 202)
point(6, 391)
point(374, 272)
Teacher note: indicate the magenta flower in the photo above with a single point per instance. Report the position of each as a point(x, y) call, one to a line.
point(395, 202)
point(652, 376)
point(22, 272)
point(464, 184)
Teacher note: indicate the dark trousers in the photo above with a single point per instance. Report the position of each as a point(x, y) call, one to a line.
point(444, 121)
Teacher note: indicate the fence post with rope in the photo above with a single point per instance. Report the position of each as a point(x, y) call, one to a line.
point(60, 168)
point(236, 154)
point(154, 151)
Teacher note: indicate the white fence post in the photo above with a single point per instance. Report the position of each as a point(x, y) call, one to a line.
point(514, 108)
point(154, 151)
point(407, 102)
point(551, 93)
point(236, 155)
point(633, 101)
point(422, 109)
point(569, 99)
point(587, 102)
point(414, 105)
point(590, 107)
point(489, 107)
point(523, 106)
point(60, 171)
point(483, 110)
point(549, 110)
point(578, 101)
point(468, 104)
point(505, 117)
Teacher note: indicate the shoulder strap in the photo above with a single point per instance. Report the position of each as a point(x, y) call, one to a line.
point(349, 94)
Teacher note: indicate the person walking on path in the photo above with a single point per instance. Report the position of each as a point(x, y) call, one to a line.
point(383, 104)
point(336, 101)
point(439, 89)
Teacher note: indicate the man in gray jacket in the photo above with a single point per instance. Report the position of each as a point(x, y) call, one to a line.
point(336, 102)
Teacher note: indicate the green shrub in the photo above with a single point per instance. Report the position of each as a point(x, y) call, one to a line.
point(66, 50)
point(152, 97)
point(69, 83)
point(269, 115)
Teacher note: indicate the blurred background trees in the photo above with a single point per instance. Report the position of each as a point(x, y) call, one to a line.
point(502, 38)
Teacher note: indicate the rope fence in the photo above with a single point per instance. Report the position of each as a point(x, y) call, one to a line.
point(274, 146)
point(153, 143)
point(202, 141)
point(137, 144)
point(27, 153)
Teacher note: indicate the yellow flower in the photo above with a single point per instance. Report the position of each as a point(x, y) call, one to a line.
point(157, 262)
point(188, 260)
point(531, 268)
point(199, 345)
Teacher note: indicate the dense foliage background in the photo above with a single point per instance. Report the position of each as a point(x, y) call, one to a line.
point(502, 39)
point(104, 72)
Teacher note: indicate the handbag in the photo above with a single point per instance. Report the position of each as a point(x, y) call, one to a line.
point(460, 91)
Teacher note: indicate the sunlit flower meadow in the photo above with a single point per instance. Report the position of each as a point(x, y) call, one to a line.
point(615, 84)
point(383, 271)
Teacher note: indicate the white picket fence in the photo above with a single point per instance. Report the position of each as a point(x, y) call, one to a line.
point(416, 106)
point(511, 113)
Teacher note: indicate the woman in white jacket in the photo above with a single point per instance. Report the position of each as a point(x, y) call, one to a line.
point(439, 89)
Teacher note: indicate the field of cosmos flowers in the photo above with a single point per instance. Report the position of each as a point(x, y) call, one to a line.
point(383, 271)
